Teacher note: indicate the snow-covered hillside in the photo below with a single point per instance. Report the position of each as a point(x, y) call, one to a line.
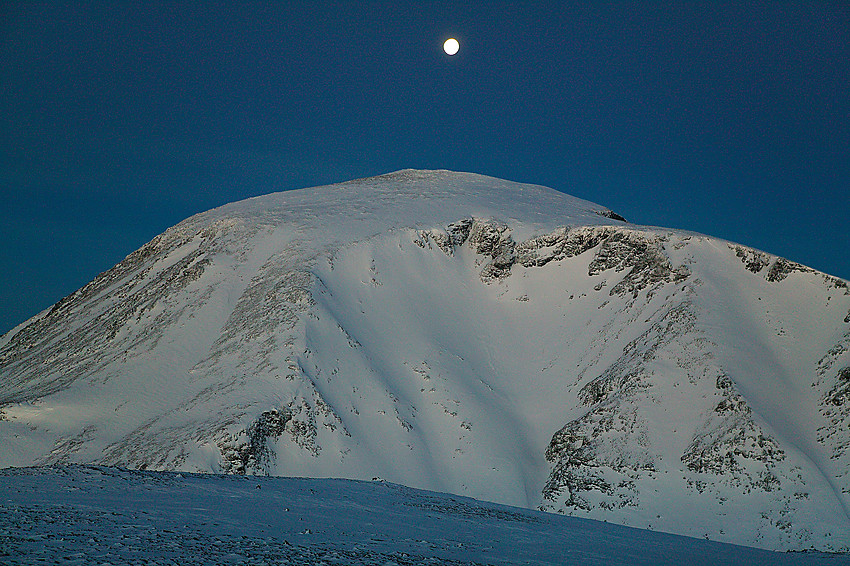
point(79, 515)
point(463, 334)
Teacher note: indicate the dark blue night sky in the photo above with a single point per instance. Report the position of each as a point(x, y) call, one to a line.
point(117, 121)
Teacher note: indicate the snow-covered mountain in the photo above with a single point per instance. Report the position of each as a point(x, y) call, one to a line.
point(462, 334)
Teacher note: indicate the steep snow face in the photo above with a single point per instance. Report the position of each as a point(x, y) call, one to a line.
point(462, 334)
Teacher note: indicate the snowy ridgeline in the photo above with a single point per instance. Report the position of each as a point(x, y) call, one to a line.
point(97, 515)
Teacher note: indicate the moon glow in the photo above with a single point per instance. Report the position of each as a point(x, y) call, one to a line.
point(451, 46)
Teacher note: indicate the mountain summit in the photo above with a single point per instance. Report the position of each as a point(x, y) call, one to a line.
point(465, 334)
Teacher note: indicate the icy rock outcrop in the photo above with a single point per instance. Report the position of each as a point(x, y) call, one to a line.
point(639, 253)
point(249, 451)
point(729, 437)
point(493, 239)
point(600, 455)
point(612, 215)
point(756, 261)
point(781, 268)
point(835, 401)
point(840, 394)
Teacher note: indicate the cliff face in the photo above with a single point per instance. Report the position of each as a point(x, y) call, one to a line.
point(463, 334)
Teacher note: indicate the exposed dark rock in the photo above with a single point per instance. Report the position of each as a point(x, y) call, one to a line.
point(611, 214)
point(642, 254)
point(728, 438)
point(838, 284)
point(781, 268)
point(459, 231)
point(560, 244)
point(608, 448)
point(574, 481)
point(754, 260)
point(833, 384)
point(249, 451)
point(486, 237)
point(583, 462)
point(618, 251)
point(489, 238)
point(840, 394)
point(441, 239)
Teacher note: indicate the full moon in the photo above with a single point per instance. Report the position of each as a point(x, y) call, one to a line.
point(451, 46)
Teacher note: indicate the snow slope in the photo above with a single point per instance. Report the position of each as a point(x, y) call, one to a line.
point(80, 515)
point(462, 334)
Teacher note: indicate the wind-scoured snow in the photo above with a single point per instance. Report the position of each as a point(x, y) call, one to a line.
point(81, 515)
point(462, 334)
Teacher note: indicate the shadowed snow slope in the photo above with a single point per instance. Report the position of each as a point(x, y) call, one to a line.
point(463, 334)
point(69, 514)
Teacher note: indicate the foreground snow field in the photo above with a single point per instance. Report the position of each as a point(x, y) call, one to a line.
point(96, 515)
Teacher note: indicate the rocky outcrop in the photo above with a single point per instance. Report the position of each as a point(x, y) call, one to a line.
point(600, 455)
point(611, 214)
point(493, 239)
point(840, 393)
point(249, 451)
point(596, 460)
point(729, 437)
point(640, 254)
point(644, 258)
point(756, 261)
point(781, 268)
